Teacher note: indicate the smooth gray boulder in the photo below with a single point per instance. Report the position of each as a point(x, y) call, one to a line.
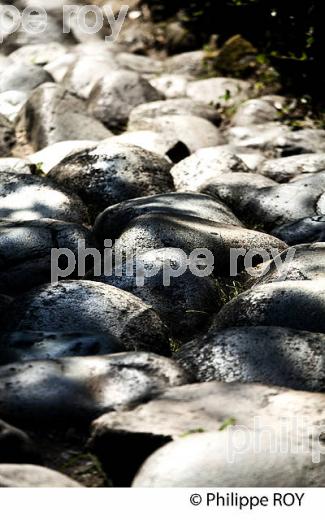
point(202, 407)
point(110, 174)
point(26, 248)
point(114, 219)
point(302, 262)
point(305, 230)
point(195, 132)
point(88, 306)
point(30, 197)
point(190, 64)
point(26, 345)
point(267, 355)
point(26, 78)
point(51, 115)
point(286, 168)
point(115, 95)
point(171, 85)
point(82, 388)
point(185, 302)
point(204, 165)
point(172, 107)
point(16, 447)
point(51, 155)
point(160, 230)
point(278, 139)
point(219, 92)
point(212, 460)
point(293, 304)
point(38, 54)
point(259, 111)
point(31, 476)
point(84, 72)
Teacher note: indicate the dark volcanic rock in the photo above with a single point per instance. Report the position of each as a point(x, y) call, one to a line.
point(160, 230)
point(26, 251)
point(113, 220)
point(82, 388)
point(109, 175)
point(268, 355)
point(89, 307)
point(29, 197)
point(184, 302)
point(309, 229)
point(16, 446)
point(26, 346)
point(293, 304)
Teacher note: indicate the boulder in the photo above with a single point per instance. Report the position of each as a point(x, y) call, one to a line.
point(22, 77)
point(16, 447)
point(90, 307)
point(219, 92)
point(112, 173)
point(79, 389)
point(30, 476)
point(286, 168)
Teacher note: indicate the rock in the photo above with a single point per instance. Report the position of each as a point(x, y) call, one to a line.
point(195, 132)
point(171, 85)
point(194, 299)
point(308, 229)
point(53, 33)
point(26, 251)
point(193, 63)
point(84, 72)
point(89, 307)
point(212, 460)
point(51, 115)
point(29, 197)
point(27, 346)
point(267, 355)
point(21, 77)
point(110, 174)
point(204, 164)
point(160, 230)
point(5, 301)
point(38, 54)
point(259, 111)
point(219, 92)
point(59, 67)
point(172, 107)
point(113, 220)
point(79, 389)
point(53, 154)
point(30, 476)
point(14, 166)
point(16, 446)
point(279, 139)
point(281, 204)
point(203, 407)
point(286, 168)
point(302, 262)
point(293, 304)
point(11, 102)
point(7, 137)
point(142, 64)
point(237, 189)
point(115, 95)
point(153, 142)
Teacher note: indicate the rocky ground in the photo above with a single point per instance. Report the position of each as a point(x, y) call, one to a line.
point(105, 381)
